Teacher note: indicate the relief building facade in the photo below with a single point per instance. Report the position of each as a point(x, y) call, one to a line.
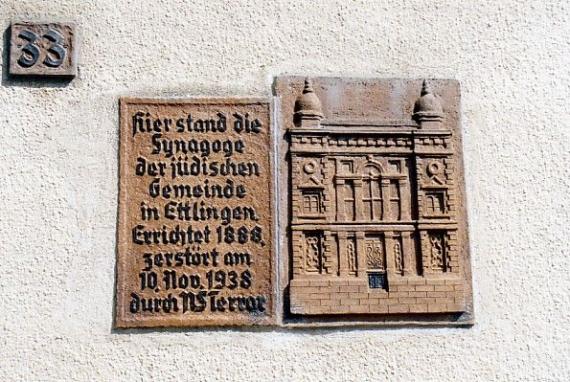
point(373, 212)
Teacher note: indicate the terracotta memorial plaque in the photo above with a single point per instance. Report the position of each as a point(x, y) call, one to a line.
point(372, 195)
point(195, 224)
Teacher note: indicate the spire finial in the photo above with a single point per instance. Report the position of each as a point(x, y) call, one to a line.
point(308, 86)
point(425, 88)
point(308, 110)
point(427, 109)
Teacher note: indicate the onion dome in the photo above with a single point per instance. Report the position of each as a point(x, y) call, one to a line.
point(307, 105)
point(428, 105)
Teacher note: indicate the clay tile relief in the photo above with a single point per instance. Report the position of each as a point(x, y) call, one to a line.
point(376, 223)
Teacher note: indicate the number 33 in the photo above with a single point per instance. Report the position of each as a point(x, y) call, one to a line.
point(55, 52)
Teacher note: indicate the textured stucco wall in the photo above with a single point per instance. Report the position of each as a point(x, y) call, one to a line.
point(58, 190)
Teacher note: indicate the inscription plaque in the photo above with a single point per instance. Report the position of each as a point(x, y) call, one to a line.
point(374, 197)
point(43, 49)
point(195, 225)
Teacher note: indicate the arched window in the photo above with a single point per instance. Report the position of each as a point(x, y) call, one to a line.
point(434, 202)
point(372, 193)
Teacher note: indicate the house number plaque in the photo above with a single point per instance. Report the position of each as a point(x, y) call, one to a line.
point(43, 49)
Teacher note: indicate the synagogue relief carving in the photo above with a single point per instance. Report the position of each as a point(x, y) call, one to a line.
point(376, 203)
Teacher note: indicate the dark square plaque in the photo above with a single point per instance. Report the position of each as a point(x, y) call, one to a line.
point(43, 49)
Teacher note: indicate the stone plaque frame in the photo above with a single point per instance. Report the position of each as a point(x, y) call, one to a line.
point(406, 136)
point(409, 248)
point(127, 268)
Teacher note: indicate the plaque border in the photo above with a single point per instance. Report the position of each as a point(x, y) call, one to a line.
point(119, 318)
point(283, 203)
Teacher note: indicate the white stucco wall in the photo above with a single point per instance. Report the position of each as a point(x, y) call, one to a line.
point(58, 183)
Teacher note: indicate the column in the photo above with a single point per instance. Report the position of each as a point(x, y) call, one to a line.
point(358, 207)
point(426, 252)
point(342, 254)
point(389, 251)
point(328, 258)
point(360, 255)
point(339, 185)
point(385, 184)
point(408, 253)
point(298, 255)
point(329, 190)
point(405, 199)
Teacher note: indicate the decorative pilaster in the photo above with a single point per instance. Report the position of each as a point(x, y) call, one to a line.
point(297, 239)
point(342, 254)
point(358, 205)
point(360, 255)
point(386, 207)
point(329, 254)
point(408, 252)
point(405, 197)
point(389, 241)
point(339, 188)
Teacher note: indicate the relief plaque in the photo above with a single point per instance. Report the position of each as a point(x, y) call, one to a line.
point(372, 194)
point(195, 224)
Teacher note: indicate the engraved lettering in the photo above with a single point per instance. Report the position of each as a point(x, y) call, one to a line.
point(196, 187)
